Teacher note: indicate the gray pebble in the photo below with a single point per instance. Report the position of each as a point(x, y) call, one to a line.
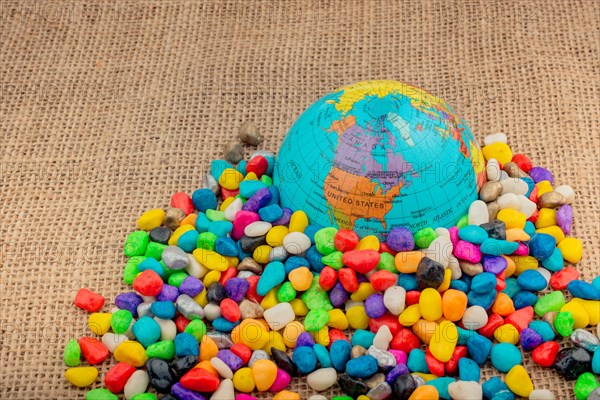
point(188, 307)
point(143, 310)
point(375, 380)
point(248, 264)
point(513, 170)
point(258, 355)
point(245, 274)
point(493, 209)
point(595, 395)
point(209, 182)
point(585, 339)
point(357, 351)
point(249, 134)
point(173, 217)
point(418, 380)
point(551, 200)
point(490, 191)
point(222, 340)
point(470, 269)
point(250, 309)
point(233, 152)
point(175, 258)
point(380, 392)
point(385, 359)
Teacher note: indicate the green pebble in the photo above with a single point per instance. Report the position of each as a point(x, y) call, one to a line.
point(136, 243)
point(324, 240)
point(120, 321)
point(267, 180)
point(286, 293)
point(563, 323)
point(424, 237)
point(215, 215)
point(196, 328)
point(164, 349)
point(315, 297)
point(334, 260)
point(206, 241)
point(72, 353)
point(342, 398)
point(144, 396)
point(177, 278)
point(100, 394)
point(586, 384)
point(552, 301)
point(166, 270)
point(386, 262)
point(463, 221)
point(316, 319)
point(131, 271)
point(155, 250)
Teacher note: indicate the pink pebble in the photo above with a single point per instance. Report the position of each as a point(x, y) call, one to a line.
point(467, 251)
point(282, 379)
point(399, 355)
point(241, 221)
point(453, 235)
point(522, 250)
point(243, 396)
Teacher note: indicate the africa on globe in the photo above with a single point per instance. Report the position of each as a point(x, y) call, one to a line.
point(378, 155)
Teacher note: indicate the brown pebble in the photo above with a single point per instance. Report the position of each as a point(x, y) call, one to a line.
point(470, 269)
point(551, 200)
point(173, 217)
point(490, 191)
point(250, 309)
point(549, 317)
point(233, 152)
point(357, 351)
point(375, 380)
point(249, 134)
point(493, 209)
point(513, 170)
point(248, 264)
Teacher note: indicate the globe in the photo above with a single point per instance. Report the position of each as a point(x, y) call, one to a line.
point(378, 155)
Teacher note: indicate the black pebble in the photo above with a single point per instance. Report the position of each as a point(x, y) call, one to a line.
point(162, 234)
point(284, 361)
point(352, 387)
point(249, 244)
point(168, 397)
point(184, 364)
point(430, 274)
point(216, 293)
point(572, 362)
point(495, 229)
point(403, 387)
point(161, 375)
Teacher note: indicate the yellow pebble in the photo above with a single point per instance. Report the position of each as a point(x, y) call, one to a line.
point(546, 218)
point(201, 297)
point(571, 249)
point(211, 259)
point(230, 179)
point(409, 316)
point(553, 230)
point(189, 219)
point(501, 152)
point(211, 277)
point(512, 218)
point(322, 336)
point(592, 307)
point(177, 234)
point(543, 187)
point(363, 397)
point(446, 282)
point(300, 278)
point(580, 314)
point(252, 333)
point(408, 261)
point(426, 377)
point(337, 319)
point(151, 219)
point(300, 309)
point(208, 348)
point(81, 376)
point(370, 242)
point(425, 392)
point(276, 234)
point(261, 254)
point(243, 380)
point(516, 235)
point(507, 333)
point(523, 263)
point(226, 203)
point(275, 340)
point(298, 221)
point(232, 261)
point(270, 299)
point(365, 289)
point(291, 333)
point(251, 176)
point(511, 266)
point(357, 317)
point(424, 330)
point(444, 340)
point(99, 323)
point(430, 304)
point(518, 381)
point(132, 353)
point(286, 395)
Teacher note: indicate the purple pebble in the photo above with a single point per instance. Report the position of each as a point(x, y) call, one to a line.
point(539, 174)
point(191, 286)
point(236, 289)
point(182, 393)
point(168, 293)
point(399, 369)
point(261, 198)
point(360, 278)
point(129, 301)
point(374, 306)
point(232, 361)
point(494, 264)
point(285, 218)
point(400, 239)
point(305, 339)
point(564, 218)
point(338, 295)
point(530, 339)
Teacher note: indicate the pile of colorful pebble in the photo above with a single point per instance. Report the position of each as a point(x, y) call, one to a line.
point(234, 294)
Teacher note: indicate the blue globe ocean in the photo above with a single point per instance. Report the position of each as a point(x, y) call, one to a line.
point(380, 154)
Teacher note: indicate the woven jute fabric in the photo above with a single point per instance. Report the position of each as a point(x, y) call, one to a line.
point(108, 108)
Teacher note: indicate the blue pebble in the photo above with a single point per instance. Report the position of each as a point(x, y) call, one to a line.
point(270, 213)
point(220, 228)
point(505, 356)
point(555, 262)
point(494, 388)
point(363, 338)
point(466, 279)
point(217, 167)
point(483, 282)
point(473, 233)
point(498, 247)
point(479, 348)
point(362, 367)
point(322, 355)
point(311, 230)
point(204, 199)
point(225, 245)
point(274, 190)
point(241, 167)
point(408, 281)
point(544, 329)
point(249, 188)
point(530, 229)
point(468, 370)
point(464, 335)
point(202, 222)
point(186, 345)
point(223, 325)
point(532, 280)
point(314, 258)
point(459, 285)
point(484, 300)
point(542, 245)
point(416, 361)
point(305, 359)
point(152, 264)
point(147, 331)
point(273, 275)
point(583, 290)
point(596, 362)
point(163, 309)
point(188, 241)
point(530, 185)
point(512, 287)
point(441, 384)
point(524, 298)
point(339, 352)
point(295, 262)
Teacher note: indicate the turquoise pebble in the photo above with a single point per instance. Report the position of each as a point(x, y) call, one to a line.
point(187, 241)
point(494, 388)
point(163, 309)
point(339, 352)
point(555, 262)
point(512, 287)
point(274, 195)
point(441, 384)
point(530, 229)
point(225, 245)
point(270, 213)
point(459, 285)
point(596, 362)
point(524, 299)
point(305, 359)
point(416, 361)
point(151, 264)
point(530, 185)
point(408, 281)
point(468, 370)
point(484, 300)
point(186, 345)
point(220, 228)
point(473, 233)
point(223, 325)
point(273, 275)
point(479, 348)
point(361, 367)
point(322, 355)
point(596, 282)
point(542, 245)
point(146, 331)
point(464, 335)
point(249, 188)
point(497, 247)
point(202, 222)
point(204, 199)
point(217, 167)
point(543, 328)
point(505, 356)
point(532, 280)
point(241, 167)
point(363, 338)
point(483, 282)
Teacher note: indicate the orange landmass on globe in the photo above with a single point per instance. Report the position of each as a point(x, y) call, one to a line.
point(340, 126)
point(352, 197)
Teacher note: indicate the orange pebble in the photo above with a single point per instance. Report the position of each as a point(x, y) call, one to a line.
point(189, 219)
point(408, 261)
point(424, 330)
point(301, 278)
point(286, 395)
point(511, 267)
point(208, 348)
point(207, 366)
point(503, 305)
point(454, 304)
point(264, 373)
point(425, 392)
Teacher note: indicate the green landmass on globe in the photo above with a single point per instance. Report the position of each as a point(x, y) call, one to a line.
point(377, 155)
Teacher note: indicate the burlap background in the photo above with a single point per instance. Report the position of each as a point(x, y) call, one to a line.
point(107, 108)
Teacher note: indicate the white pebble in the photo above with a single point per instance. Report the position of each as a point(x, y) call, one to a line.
point(503, 176)
point(514, 185)
point(224, 391)
point(112, 340)
point(493, 170)
point(168, 329)
point(136, 384)
point(526, 206)
point(508, 200)
point(212, 311)
point(351, 303)
point(382, 338)
point(149, 299)
point(442, 232)
point(233, 209)
point(546, 274)
point(322, 379)
point(567, 191)
point(394, 299)
point(278, 253)
point(258, 228)
point(541, 394)
point(454, 266)
point(196, 269)
point(440, 250)
point(462, 390)
point(478, 213)
point(279, 316)
point(222, 368)
point(296, 242)
point(474, 318)
point(494, 138)
point(317, 397)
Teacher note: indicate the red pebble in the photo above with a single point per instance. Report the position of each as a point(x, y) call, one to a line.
point(452, 364)
point(148, 283)
point(384, 248)
point(242, 351)
point(117, 377)
point(533, 196)
point(412, 297)
point(523, 162)
point(494, 321)
point(388, 319)
point(362, 261)
point(345, 240)
point(181, 323)
point(405, 340)
point(545, 354)
point(258, 165)
point(328, 278)
point(520, 319)
point(436, 367)
point(229, 193)
point(348, 279)
point(336, 334)
point(561, 279)
point(200, 380)
point(500, 285)
point(88, 300)
point(93, 350)
point(183, 201)
point(251, 294)
point(534, 216)
point(229, 273)
point(230, 310)
point(382, 280)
